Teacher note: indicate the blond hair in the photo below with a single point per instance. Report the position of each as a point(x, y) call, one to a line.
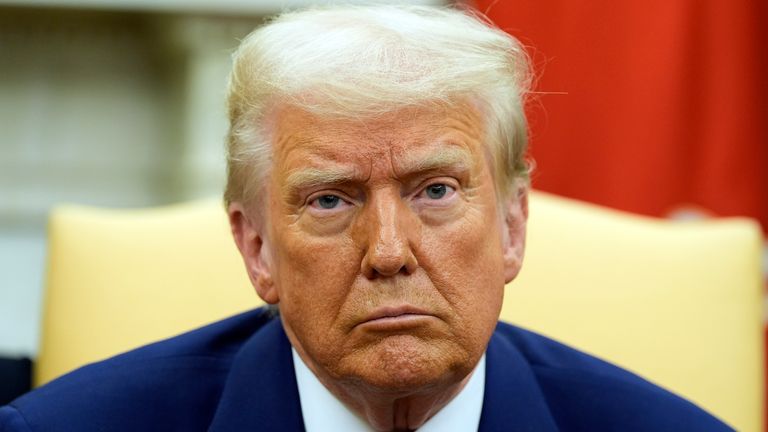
point(361, 61)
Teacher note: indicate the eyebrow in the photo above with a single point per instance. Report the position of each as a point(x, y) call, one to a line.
point(453, 157)
point(310, 177)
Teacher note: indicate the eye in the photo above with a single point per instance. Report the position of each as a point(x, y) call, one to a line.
point(436, 191)
point(326, 202)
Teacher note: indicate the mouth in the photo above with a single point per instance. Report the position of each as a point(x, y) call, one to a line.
point(395, 318)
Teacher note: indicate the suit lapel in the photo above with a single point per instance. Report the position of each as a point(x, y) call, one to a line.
point(261, 393)
point(512, 399)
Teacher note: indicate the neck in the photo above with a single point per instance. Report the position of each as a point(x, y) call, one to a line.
point(394, 410)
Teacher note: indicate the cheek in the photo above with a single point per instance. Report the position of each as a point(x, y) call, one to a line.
point(465, 262)
point(313, 275)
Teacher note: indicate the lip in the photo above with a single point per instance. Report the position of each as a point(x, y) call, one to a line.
point(393, 318)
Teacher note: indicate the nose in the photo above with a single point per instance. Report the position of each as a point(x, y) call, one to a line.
point(390, 234)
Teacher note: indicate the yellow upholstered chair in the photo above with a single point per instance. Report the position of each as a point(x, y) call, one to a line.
point(678, 303)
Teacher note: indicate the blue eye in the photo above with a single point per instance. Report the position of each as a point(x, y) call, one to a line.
point(436, 191)
point(328, 201)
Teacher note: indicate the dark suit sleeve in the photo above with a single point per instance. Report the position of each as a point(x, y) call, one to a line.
point(11, 420)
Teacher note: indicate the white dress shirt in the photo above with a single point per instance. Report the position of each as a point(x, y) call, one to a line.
point(322, 412)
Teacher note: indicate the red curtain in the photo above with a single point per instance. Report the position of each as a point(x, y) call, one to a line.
point(648, 105)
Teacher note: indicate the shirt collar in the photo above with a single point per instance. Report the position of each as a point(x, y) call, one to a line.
point(323, 412)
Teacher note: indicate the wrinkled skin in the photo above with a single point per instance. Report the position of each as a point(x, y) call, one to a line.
point(386, 247)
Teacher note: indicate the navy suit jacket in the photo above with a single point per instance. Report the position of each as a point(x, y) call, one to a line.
point(237, 375)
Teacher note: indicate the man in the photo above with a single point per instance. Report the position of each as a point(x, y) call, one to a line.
point(377, 192)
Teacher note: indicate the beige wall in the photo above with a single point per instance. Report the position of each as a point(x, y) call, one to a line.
point(100, 108)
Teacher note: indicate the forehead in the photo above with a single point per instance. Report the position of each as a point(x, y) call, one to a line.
point(401, 137)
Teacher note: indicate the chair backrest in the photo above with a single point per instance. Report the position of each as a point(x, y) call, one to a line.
point(678, 303)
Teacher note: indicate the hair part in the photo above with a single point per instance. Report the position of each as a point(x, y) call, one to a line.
point(363, 61)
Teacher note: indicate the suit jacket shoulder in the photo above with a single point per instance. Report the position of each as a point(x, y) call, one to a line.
point(170, 385)
point(579, 392)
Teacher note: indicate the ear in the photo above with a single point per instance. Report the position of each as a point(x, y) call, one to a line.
point(251, 243)
point(515, 219)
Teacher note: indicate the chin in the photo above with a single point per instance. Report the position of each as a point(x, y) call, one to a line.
point(408, 364)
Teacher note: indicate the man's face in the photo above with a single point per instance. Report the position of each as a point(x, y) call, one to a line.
point(383, 245)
